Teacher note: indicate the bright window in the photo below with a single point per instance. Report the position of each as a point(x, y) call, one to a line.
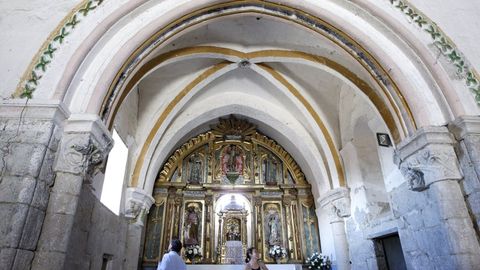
point(114, 175)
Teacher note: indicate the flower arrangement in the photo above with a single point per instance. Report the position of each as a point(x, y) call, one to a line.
point(319, 261)
point(276, 252)
point(193, 252)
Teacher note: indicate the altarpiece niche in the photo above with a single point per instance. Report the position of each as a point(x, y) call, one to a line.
point(231, 158)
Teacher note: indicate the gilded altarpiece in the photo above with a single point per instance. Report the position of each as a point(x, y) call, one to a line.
point(232, 158)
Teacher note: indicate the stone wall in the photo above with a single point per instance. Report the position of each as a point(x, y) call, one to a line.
point(28, 143)
point(467, 134)
point(435, 227)
point(97, 234)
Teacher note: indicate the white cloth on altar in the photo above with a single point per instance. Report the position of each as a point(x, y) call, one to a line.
point(234, 252)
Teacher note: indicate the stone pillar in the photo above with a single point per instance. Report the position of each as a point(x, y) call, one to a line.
point(467, 133)
point(28, 143)
point(83, 148)
point(137, 206)
point(435, 228)
point(337, 204)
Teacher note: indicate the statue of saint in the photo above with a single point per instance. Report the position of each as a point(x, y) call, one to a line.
point(233, 235)
point(273, 238)
point(195, 169)
point(191, 227)
point(232, 161)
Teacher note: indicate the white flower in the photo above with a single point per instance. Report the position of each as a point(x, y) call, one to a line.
point(190, 251)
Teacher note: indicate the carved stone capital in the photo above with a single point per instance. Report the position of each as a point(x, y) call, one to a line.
point(137, 205)
point(427, 157)
point(84, 146)
point(337, 203)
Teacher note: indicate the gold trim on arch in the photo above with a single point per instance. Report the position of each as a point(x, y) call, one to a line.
point(352, 77)
point(251, 9)
point(279, 78)
point(363, 86)
point(318, 120)
point(167, 111)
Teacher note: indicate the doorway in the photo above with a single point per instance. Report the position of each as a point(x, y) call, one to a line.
point(389, 253)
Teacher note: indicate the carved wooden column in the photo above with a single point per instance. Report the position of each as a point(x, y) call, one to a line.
point(172, 201)
point(435, 227)
point(337, 204)
point(176, 230)
point(209, 232)
point(219, 249)
point(257, 224)
point(291, 228)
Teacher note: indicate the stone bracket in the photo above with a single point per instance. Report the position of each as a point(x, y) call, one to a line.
point(85, 145)
point(137, 205)
point(428, 157)
point(337, 202)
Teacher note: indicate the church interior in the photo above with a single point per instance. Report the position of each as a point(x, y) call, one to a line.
point(334, 134)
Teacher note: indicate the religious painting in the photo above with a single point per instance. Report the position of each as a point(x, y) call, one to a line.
point(192, 225)
point(232, 162)
point(153, 232)
point(310, 230)
point(272, 224)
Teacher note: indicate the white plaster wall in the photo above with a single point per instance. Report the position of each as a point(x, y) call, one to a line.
point(459, 20)
point(24, 26)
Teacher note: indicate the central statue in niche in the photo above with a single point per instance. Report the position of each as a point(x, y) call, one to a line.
point(232, 162)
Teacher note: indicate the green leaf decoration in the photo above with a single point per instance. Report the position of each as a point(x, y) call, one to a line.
point(73, 22)
point(27, 92)
point(87, 8)
point(420, 21)
point(471, 80)
point(401, 6)
point(443, 45)
point(42, 64)
point(50, 50)
point(460, 66)
point(60, 37)
point(34, 78)
point(453, 56)
point(411, 13)
point(433, 32)
point(48, 53)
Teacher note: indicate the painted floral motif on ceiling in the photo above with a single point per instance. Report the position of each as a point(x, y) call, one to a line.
point(444, 45)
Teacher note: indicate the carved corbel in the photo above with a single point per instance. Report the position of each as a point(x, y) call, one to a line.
point(93, 157)
point(428, 166)
point(137, 205)
point(337, 204)
point(80, 154)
